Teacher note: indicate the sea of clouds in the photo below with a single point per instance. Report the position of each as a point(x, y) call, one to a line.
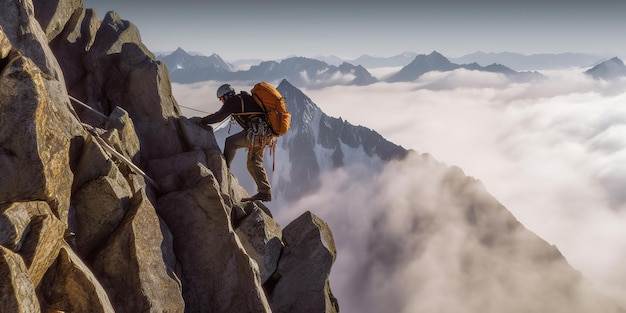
point(552, 151)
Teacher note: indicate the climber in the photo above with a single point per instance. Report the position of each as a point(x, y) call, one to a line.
point(249, 115)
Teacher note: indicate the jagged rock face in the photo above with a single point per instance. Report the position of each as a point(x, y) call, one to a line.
point(261, 236)
point(24, 34)
point(72, 287)
point(38, 131)
point(306, 238)
point(18, 292)
point(24, 225)
point(83, 225)
point(125, 206)
point(214, 265)
point(139, 256)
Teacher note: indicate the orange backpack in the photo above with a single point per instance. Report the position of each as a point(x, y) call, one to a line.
point(274, 107)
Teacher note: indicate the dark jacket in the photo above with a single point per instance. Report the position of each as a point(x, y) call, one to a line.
point(233, 106)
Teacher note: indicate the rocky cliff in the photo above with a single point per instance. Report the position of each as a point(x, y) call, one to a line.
point(110, 201)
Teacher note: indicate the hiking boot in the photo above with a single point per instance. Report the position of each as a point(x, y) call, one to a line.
point(265, 197)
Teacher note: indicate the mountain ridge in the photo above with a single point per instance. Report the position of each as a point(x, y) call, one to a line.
point(314, 73)
point(613, 68)
point(513, 60)
point(114, 202)
point(538, 61)
point(435, 61)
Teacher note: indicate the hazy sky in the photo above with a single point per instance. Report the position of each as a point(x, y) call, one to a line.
point(276, 29)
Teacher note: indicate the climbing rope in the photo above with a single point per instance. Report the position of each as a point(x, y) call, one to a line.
point(192, 109)
point(106, 146)
point(89, 108)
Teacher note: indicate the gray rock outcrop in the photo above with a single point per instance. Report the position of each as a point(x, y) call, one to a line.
point(306, 238)
point(110, 200)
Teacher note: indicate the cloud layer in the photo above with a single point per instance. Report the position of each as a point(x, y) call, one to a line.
point(420, 236)
point(552, 152)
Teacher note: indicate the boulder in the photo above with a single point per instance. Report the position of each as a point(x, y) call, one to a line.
point(137, 264)
point(42, 242)
point(14, 221)
point(91, 162)
point(5, 45)
point(122, 72)
point(31, 230)
point(121, 135)
point(261, 236)
point(232, 191)
point(149, 101)
point(176, 165)
point(197, 137)
point(216, 271)
point(76, 38)
point(24, 33)
point(38, 132)
point(100, 207)
point(180, 172)
point(303, 269)
point(53, 16)
point(69, 286)
point(17, 290)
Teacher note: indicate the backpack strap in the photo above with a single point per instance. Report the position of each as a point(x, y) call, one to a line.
point(243, 110)
point(259, 100)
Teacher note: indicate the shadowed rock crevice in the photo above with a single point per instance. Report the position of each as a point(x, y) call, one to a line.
point(110, 200)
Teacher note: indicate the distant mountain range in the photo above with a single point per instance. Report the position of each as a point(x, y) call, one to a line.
point(533, 62)
point(611, 69)
point(369, 61)
point(437, 62)
point(185, 68)
point(313, 73)
point(180, 59)
point(515, 61)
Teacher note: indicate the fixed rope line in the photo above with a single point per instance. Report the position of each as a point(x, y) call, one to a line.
point(188, 108)
point(216, 127)
point(110, 149)
point(127, 161)
point(89, 108)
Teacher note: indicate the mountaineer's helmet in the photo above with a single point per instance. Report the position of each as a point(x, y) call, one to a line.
point(225, 90)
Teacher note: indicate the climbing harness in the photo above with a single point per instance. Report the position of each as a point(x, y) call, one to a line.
point(259, 133)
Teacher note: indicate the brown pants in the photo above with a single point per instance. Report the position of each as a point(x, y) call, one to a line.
point(254, 159)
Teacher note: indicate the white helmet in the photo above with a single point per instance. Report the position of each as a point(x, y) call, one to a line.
point(225, 90)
